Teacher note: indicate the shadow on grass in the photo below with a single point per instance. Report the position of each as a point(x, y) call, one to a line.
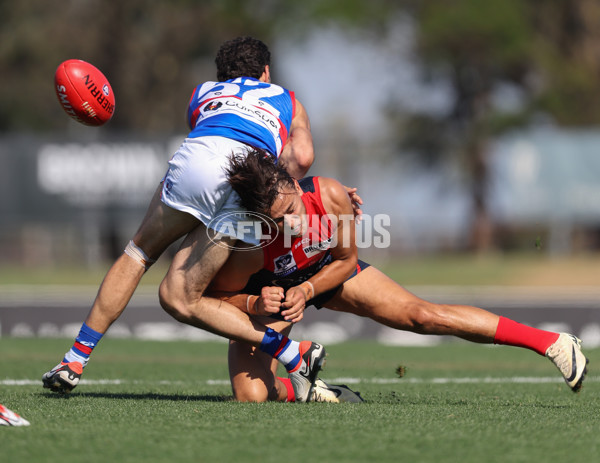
point(142, 396)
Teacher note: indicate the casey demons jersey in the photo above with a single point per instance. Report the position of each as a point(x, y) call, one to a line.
point(288, 266)
point(243, 109)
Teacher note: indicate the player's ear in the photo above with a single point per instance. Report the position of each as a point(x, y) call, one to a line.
point(298, 187)
point(266, 75)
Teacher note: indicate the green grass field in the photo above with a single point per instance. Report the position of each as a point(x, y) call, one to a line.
point(170, 401)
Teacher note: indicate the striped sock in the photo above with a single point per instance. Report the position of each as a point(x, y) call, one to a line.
point(282, 348)
point(84, 344)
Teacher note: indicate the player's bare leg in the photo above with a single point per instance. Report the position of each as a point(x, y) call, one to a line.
point(253, 373)
point(161, 226)
point(182, 294)
point(253, 376)
point(182, 290)
point(373, 294)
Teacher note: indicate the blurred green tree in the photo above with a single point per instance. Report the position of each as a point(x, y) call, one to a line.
point(547, 50)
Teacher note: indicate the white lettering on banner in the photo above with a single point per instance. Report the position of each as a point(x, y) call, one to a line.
point(96, 172)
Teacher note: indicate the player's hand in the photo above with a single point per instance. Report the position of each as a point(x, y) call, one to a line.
point(294, 304)
point(356, 203)
point(270, 300)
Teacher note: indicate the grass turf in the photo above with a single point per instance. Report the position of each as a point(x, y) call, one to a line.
point(170, 401)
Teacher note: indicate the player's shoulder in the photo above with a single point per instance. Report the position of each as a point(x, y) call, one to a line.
point(333, 193)
point(330, 184)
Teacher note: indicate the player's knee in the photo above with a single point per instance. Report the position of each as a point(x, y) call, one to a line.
point(172, 302)
point(251, 393)
point(422, 316)
point(138, 255)
point(181, 305)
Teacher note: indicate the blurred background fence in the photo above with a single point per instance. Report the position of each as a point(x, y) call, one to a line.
point(71, 201)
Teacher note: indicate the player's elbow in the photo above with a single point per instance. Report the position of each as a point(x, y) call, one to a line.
point(302, 166)
point(352, 264)
point(304, 154)
point(298, 155)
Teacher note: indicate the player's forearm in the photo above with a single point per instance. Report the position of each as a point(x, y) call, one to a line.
point(244, 302)
point(332, 275)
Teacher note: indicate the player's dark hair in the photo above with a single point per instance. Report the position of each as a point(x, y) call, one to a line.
point(242, 57)
point(257, 180)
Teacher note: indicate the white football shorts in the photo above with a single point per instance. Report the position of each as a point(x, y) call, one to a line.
point(196, 183)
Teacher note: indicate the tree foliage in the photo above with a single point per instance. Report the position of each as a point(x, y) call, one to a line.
point(155, 52)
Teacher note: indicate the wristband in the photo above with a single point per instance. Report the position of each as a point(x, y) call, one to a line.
point(308, 289)
point(251, 304)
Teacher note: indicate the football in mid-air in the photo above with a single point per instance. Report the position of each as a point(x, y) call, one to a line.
point(84, 92)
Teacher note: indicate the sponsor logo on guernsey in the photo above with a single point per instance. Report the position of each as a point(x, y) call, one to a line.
point(259, 113)
point(284, 265)
point(316, 248)
point(213, 106)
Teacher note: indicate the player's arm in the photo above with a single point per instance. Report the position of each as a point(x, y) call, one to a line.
point(337, 203)
point(298, 153)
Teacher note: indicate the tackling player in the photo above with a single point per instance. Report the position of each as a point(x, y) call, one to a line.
point(320, 266)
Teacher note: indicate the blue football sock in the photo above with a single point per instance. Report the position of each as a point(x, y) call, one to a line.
point(84, 344)
point(282, 348)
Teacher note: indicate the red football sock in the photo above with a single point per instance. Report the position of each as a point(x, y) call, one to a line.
point(511, 333)
point(287, 382)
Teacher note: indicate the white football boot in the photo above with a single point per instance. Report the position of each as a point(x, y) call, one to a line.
point(63, 378)
point(312, 359)
point(334, 393)
point(10, 418)
point(566, 354)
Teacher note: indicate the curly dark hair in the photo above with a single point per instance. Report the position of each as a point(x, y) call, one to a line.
point(242, 57)
point(257, 180)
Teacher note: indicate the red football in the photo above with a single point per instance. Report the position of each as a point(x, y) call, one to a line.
point(84, 93)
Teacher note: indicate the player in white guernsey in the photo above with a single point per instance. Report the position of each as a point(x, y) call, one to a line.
point(242, 110)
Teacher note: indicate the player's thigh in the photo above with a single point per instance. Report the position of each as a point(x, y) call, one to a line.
point(373, 294)
point(162, 226)
point(198, 260)
point(240, 265)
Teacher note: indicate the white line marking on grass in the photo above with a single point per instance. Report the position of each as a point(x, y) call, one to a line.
point(343, 380)
point(459, 380)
